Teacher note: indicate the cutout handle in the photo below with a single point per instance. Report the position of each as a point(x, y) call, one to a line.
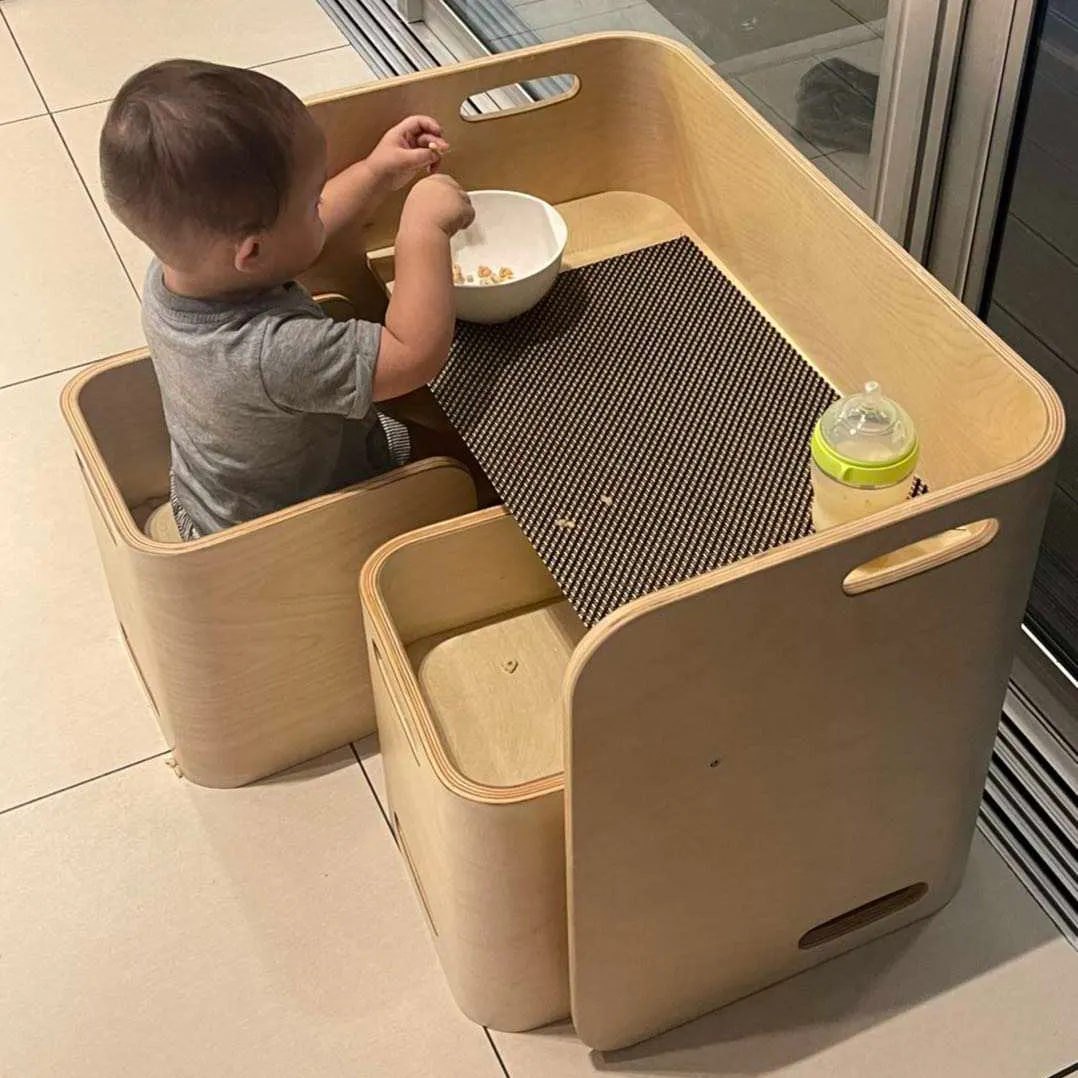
point(512, 99)
point(862, 916)
point(920, 557)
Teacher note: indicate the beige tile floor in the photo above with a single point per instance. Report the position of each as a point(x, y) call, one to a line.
point(149, 927)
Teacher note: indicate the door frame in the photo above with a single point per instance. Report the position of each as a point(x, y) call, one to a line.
point(957, 215)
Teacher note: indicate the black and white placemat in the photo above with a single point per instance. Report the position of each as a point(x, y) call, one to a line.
point(644, 424)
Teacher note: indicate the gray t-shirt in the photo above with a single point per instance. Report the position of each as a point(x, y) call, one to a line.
point(267, 401)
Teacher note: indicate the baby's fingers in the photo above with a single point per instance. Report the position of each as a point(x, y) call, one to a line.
point(423, 157)
point(437, 146)
point(433, 142)
point(416, 128)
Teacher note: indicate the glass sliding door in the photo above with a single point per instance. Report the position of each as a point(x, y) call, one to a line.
point(846, 81)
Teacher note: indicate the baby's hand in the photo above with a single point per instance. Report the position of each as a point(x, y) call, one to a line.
point(414, 144)
point(439, 201)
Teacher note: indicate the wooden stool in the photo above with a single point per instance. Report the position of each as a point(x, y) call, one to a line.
point(161, 525)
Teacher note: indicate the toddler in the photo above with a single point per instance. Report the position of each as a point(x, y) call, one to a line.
point(222, 173)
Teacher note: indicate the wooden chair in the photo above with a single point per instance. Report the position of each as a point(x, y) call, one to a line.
point(250, 641)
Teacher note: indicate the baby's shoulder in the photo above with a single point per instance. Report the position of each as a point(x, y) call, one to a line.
point(294, 298)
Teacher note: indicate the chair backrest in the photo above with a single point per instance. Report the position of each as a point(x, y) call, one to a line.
point(120, 410)
point(778, 761)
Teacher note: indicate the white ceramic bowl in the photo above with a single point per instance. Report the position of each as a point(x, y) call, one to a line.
point(515, 230)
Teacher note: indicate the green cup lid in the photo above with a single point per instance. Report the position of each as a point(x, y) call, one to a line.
point(866, 440)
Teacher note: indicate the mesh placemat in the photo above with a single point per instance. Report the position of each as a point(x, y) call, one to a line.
point(644, 424)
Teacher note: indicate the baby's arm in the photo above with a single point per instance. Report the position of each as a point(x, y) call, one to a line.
point(404, 150)
point(419, 322)
point(316, 365)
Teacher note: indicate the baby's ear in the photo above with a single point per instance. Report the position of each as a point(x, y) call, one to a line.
point(248, 253)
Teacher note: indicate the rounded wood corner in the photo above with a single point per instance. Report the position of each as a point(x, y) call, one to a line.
point(409, 707)
point(69, 395)
point(73, 387)
point(416, 467)
point(449, 777)
point(920, 556)
point(423, 736)
point(336, 305)
point(373, 566)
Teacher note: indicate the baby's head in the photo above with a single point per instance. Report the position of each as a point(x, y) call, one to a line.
point(218, 170)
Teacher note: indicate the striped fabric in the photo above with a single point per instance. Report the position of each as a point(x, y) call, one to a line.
point(400, 441)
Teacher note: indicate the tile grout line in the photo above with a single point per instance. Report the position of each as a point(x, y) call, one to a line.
point(393, 835)
point(374, 792)
point(29, 73)
point(75, 108)
point(345, 44)
point(25, 63)
point(96, 209)
point(45, 374)
point(67, 150)
point(23, 119)
point(84, 782)
point(575, 24)
point(497, 1054)
point(751, 97)
point(46, 111)
point(852, 14)
point(1072, 1069)
point(846, 172)
point(34, 378)
point(794, 51)
point(53, 113)
point(520, 10)
point(106, 100)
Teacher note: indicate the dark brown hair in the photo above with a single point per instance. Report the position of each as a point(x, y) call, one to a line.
point(191, 147)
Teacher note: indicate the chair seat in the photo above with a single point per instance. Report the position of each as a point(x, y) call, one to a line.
point(161, 525)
